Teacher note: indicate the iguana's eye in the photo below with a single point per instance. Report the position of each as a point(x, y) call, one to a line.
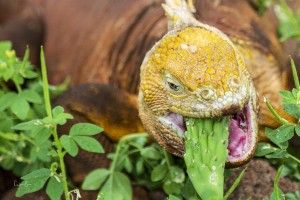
point(173, 84)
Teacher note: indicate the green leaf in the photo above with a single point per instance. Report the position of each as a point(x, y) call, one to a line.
point(69, 144)
point(4, 46)
point(85, 129)
point(287, 96)
point(188, 191)
point(25, 126)
point(29, 74)
point(280, 135)
point(263, 149)
point(33, 181)
point(293, 109)
point(177, 174)
point(159, 172)
point(139, 166)
point(297, 129)
point(54, 188)
point(279, 153)
point(291, 102)
point(31, 96)
point(89, 144)
point(10, 136)
point(20, 107)
point(139, 142)
point(41, 151)
point(59, 117)
point(95, 179)
point(6, 100)
point(293, 195)
point(8, 73)
point(288, 22)
point(6, 123)
point(42, 135)
point(40, 173)
point(128, 165)
point(172, 197)
point(116, 187)
point(151, 153)
point(57, 111)
point(171, 187)
point(30, 186)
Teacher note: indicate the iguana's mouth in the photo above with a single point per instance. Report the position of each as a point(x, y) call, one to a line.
point(242, 132)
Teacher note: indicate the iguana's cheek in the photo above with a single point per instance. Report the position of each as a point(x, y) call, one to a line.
point(164, 135)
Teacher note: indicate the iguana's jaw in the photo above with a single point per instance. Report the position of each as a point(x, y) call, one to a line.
point(242, 132)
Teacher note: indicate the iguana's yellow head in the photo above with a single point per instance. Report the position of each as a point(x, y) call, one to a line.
point(195, 71)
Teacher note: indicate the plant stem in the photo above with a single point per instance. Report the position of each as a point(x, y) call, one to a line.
point(54, 133)
point(294, 158)
point(276, 181)
point(295, 75)
point(275, 113)
point(19, 89)
point(235, 184)
point(167, 159)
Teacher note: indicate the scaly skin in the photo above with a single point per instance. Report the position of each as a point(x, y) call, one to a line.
point(194, 71)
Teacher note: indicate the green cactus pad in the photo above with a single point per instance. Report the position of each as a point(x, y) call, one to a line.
point(205, 156)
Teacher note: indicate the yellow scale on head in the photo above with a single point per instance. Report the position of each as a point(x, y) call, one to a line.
point(198, 58)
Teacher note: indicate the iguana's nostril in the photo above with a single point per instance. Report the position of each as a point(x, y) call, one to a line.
point(207, 94)
point(234, 82)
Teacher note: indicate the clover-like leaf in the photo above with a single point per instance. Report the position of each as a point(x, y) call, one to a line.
point(159, 173)
point(281, 135)
point(116, 187)
point(31, 96)
point(263, 149)
point(33, 181)
point(89, 144)
point(85, 129)
point(20, 107)
point(54, 188)
point(6, 100)
point(151, 153)
point(59, 116)
point(95, 179)
point(69, 144)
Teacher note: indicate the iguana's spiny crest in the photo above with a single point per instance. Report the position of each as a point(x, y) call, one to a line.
point(196, 71)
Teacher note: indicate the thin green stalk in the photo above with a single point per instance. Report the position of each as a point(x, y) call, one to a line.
point(54, 133)
point(45, 84)
point(235, 184)
point(295, 75)
point(113, 164)
point(167, 158)
point(276, 181)
point(19, 89)
point(294, 158)
point(275, 113)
